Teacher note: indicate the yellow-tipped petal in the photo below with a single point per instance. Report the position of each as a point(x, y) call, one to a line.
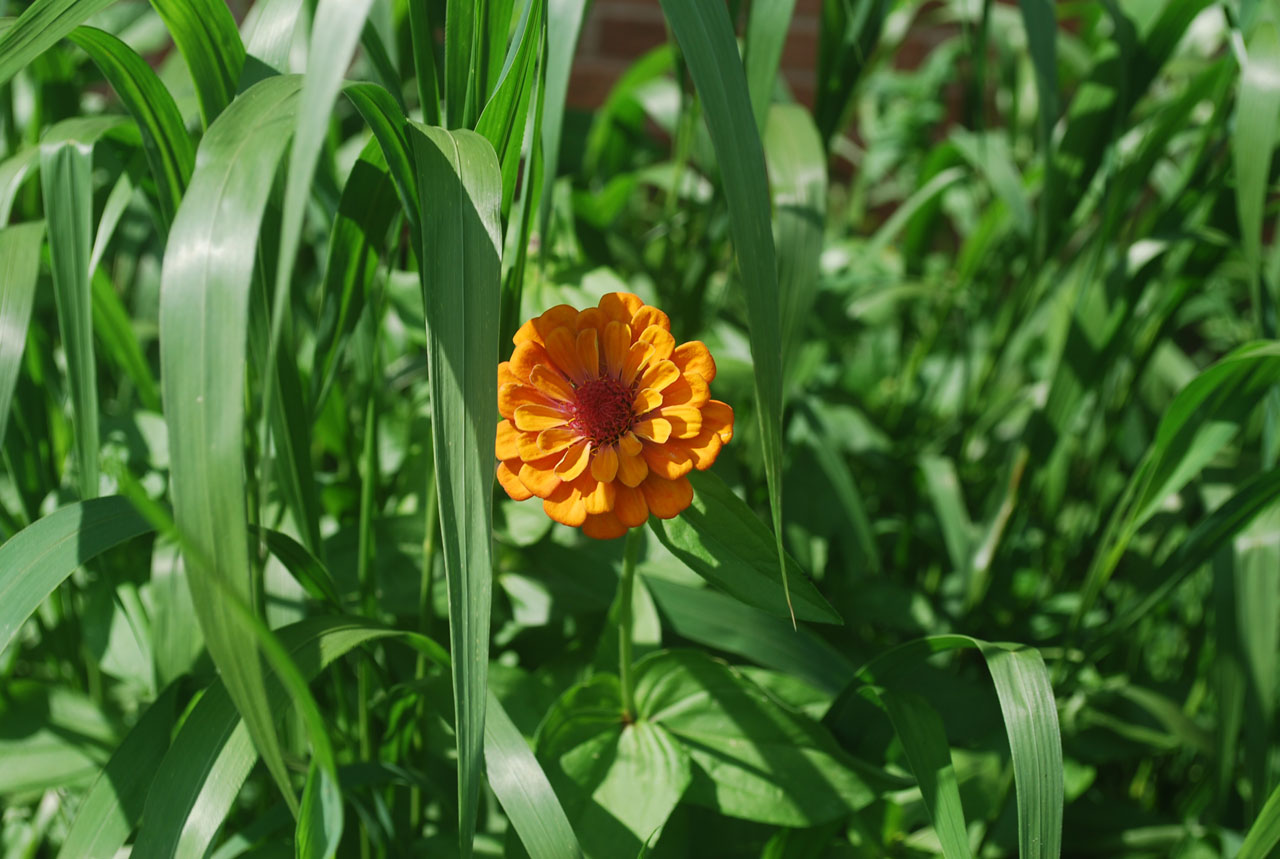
point(617, 342)
point(575, 460)
point(667, 498)
point(630, 507)
point(632, 470)
point(507, 441)
point(600, 499)
point(536, 417)
point(649, 315)
point(662, 341)
point(647, 399)
point(552, 383)
point(589, 351)
point(562, 345)
point(654, 429)
point(629, 444)
point(694, 357)
point(637, 356)
point(555, 440)
point(659, 375)
point(604, 467)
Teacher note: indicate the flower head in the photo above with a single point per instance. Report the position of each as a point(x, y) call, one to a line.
point(604, 415)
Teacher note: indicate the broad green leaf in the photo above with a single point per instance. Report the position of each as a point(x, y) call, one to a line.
point(462, 68)
point(206, 35)
point(320, 819)
point(424, 62)
point(461, 187)
point(503, 120)
point(66, 178)
point(518, 781)
point(387, 122)
point(756, 760)
point(267, 32)
point(722, 540)
point(170, 153)
point(51, 737)
point(924, 739)
point(19, 270)
point(706, 38)
point(39, 28)
point(1264, 834)
point(204, 310)
point(767, 26)
point(111, 808)
point(14, 171)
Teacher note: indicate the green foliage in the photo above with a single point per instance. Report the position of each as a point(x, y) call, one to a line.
point(997, 319)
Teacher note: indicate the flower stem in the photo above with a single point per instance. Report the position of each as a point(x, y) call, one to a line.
point(625, 621)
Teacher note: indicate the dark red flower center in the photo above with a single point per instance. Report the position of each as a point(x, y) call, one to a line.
point(603, 411)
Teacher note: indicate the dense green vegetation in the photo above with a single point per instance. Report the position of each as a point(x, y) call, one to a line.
point(999, 330)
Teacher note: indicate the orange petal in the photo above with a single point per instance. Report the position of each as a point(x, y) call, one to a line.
point(554, 440)
point(527, 356)
point(631, 469)
point(553, 318)
point(659, 375)
point(589, 351)
point(617, 341)
point(667, 498)
point(566, 506)
point(654, 429)
point(668, 460)
point(650, 315)
point(704, 448)
point(536, 417)
point(694, 357)
point(600, 499)
point(647, 399)
point(575, 460)
point(507, 443)
point(592, 317)
point(526, 333)
point(505, 376)
point(663, 343)
point(551, 383)
point(637, 356)
point(513, 395)
point(603, 526)
point(630, 507)
point(688, 390)
point(629, 444)
point(511, 483)
point(562, 345)
point(620, 305)
point(686, 421)
point(604, 467)
point(541, 480)
point(719, 415)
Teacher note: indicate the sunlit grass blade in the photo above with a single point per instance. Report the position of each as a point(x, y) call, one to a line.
point(564, 27)
point(267, 32)
point(706, 37)
point(461, 186)
point(767, 26)
point(111, 808)
point(1254, 139)
point(67, 182)
point(39, 27)
point(924, 739)
point(204, 308)
point(505, 115)
point(1264, 834)
point(958, 533)
point(205, 33)
point(40, 557)
point(517, 779)
point(14, 171)
point(19, 271)
point(387, 122)
point(170, 153)
point(1042, 32)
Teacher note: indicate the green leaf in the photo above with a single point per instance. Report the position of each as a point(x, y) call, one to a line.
point(14, 171)
point(753, 759)
point(461, 187)
point(706, 38)
point(112, 806)
point(268, 32)
point(850, 31)
point(721, 539)
point(19, 271)
point(1254, 139)
point(205, 33)
point(170, 153)
point(564, 27)
point(768, 23)
point(51, 738)
point(204, 309)
point(503, 120)
point(387, 121)
point(924, 739)
point(1042, 32)
point(518, 781)
point(320, 820)
point(424, 62)
point(1264, 834)
point(66, 171)
point(461, 76)
point(39, 28)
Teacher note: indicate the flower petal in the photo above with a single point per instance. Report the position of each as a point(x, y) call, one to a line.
point(604, 467)
point(668, 460)
point(592, 317)
point(631, 469)
point(686, 421)
point(620, 305)
point(704, 447)
point(694, 357)
point(600, 499)
point(505, 376)
point(513, 395)
point(630, 507)
point(575, 460)
point(554, 440)
point(589, 351)
point(650, 315)
point(637, 356)
point(527, 356)
point(603, 526)
point(617, 342)
point(647, 399)
point(719, 415)
point(551, 383)
point(688, 390)
point(659, 375)
point(667, 498)
point(535, 417)
point(565, 506)
point(629, 444)
point(663, 343)
point(654, 429)
point(562, 345)
point(507, 442)
point(555, 317)
point(511, 483)
point(539, 478)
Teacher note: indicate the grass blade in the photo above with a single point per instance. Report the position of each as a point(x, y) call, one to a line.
point(424, 62)
point(268, 32)
point(205, 33)
point(66, 171)
point(204, 305)
point(458, 173)
point(1264, 834)
point(564, 27)
point(506, 114)
point(706, 38)
point(1254, 139)
point(768, 23)
point(460, 70)
point(39, 28)
point(1042, 33)
point(19, 271)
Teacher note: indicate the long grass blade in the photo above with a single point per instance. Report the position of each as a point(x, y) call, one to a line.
point(1254, 139)
point(1042, 32)
point(39, 28)
point(564, 27)
point(19, 271)
point(767, 26)
point(1264, 834)
point(206, 35)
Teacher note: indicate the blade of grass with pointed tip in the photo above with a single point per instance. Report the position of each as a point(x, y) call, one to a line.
point(924, 739)
point(1264, 834)
point(564, 27)
point(387, 122)
point(170, 153)
point(768, 23)
point(517, 779)
point(505, 115)
point(1042, 31)
point(461, 187)
point(66, 177)
point(706, 38)
point(14, 171)
point(19, 271)
point(39, 28)
point(204, 304)
point(205, 33)
point(1254, 139)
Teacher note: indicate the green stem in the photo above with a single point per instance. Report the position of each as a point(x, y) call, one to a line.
point(625, 621)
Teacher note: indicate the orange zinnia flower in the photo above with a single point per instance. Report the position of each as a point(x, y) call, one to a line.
point(603, 415)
